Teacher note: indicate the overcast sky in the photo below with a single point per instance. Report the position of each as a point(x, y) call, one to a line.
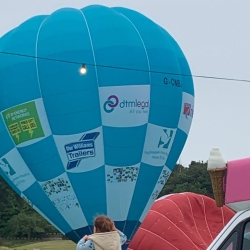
point(214, 35)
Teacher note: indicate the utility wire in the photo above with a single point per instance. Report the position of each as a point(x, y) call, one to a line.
point(124, 68)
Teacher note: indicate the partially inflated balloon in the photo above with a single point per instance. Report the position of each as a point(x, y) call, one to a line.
point(181, 221)
point(104, 142)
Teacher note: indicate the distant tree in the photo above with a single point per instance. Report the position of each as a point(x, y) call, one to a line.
point(17, 218)
point(193, 179)
point(9, 204)
point(27, 225)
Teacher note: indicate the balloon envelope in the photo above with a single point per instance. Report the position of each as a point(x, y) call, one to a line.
point(104, 142)
point(181, 221)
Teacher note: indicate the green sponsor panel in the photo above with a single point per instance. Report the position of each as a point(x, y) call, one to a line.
point(23, 122)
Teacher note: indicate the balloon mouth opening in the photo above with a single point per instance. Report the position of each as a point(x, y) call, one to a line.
point(83, 69)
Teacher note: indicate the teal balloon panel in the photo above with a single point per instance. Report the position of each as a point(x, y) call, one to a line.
point(105, 142)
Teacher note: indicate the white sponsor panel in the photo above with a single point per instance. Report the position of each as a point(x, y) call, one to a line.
point(187, 111)
point(40, 212)
point(120, 185)
point(16, 169)
point(62, 195)
point(125, 106)
point(81, 152)
point(157, 145)
point(166, 172)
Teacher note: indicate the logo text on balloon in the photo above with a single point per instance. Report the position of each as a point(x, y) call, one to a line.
point(84, 148)
point(113, 102)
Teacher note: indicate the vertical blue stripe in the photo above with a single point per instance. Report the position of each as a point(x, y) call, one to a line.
point(18, 73)
point(187, 79)
point(175, 151)
point(71, 99)
point(148, 176)
point(119, 48)
point(90, 189)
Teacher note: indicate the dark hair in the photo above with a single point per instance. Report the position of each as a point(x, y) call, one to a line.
point(103, 224)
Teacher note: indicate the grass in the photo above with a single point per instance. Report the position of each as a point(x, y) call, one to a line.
point(46, 245)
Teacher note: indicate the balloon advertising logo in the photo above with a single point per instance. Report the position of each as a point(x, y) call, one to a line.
point(75, 145)
point(112, 104)
point(164, 143)
point(23, 122)
point(188, 111)
point(84, 148)
point(7, 167)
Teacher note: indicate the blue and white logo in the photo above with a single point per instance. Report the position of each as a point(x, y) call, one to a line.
point(84, 148)
point(6, 167)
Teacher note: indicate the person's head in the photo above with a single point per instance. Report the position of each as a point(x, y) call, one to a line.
point(103, 224)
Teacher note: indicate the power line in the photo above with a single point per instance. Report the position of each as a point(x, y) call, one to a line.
point(124, 68)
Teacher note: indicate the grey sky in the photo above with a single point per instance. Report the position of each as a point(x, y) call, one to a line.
point(214, 35)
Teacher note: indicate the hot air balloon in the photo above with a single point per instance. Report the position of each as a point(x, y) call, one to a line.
point(181, 221)
point(96, 105)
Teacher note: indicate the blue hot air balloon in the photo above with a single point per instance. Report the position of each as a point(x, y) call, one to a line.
point(96, 105)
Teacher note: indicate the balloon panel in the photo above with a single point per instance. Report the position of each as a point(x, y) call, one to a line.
point(181, 221)
point(100, 143)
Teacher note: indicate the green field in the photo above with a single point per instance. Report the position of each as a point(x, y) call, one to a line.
point(47, 245)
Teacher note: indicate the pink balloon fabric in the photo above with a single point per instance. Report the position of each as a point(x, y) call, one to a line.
point(181, 221)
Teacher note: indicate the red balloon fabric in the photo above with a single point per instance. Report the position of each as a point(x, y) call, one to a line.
point(182, 221)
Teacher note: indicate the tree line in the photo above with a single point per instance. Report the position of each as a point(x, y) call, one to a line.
point(18, 219)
